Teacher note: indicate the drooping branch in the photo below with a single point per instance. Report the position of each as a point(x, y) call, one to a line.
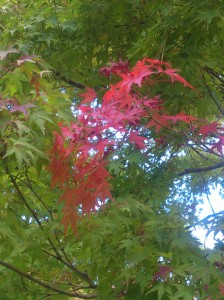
point(202, 169)
point(44, 284)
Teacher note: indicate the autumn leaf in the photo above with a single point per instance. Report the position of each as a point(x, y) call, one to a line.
point(115, 68)
point(138, 140)
point(89, 95)
point(158, 121)
point(136, 76)
point(206, 129)
point(12, 106)
point(172, 73)
point(86, 142)
point(180, 117)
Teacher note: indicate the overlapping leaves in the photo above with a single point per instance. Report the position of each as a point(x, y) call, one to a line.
point(83, 150)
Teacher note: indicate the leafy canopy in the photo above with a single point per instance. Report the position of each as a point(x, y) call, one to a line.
point(111, 148)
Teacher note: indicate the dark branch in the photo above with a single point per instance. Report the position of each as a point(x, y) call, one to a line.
point(202, 169)
point(44, 284)
point(69, 81)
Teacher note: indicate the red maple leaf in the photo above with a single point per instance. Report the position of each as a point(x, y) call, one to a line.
point(157, 63)
point(136, 76)
point(115, 68)
point(180, 117)
point(70, 215)
point(138, 140)
point(153, 103)
point(89, 95)
point(206, 129)
point(176, 77)
point(158, 121)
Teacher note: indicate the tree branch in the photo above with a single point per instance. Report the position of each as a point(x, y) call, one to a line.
point(202, 169)
point(57, 255)
point(69, 81)
point(82, 275)
point(29, 184)
point(44, 284)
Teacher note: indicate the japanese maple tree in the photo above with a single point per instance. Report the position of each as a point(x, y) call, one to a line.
point(82, 150)
point(105, 155)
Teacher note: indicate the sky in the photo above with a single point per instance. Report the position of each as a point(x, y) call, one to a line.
point(204, 209)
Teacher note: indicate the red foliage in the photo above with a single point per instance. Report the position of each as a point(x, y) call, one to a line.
point(206, 129)
point(89, 95)
point(115, 68)
point(81, 152)
point(180, 117)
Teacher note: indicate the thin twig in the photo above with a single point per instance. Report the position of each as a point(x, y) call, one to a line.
point(207, 192)
point(29, 184)
point(205, 186)
point(211, 93)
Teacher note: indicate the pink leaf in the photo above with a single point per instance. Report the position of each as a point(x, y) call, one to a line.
point(205, 130)
point(12, 106)
point(89, 95)
point(138, 140)
point(180, 117)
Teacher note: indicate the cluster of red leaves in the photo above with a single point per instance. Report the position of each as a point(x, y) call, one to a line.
point(81, 152)
point(115, 69)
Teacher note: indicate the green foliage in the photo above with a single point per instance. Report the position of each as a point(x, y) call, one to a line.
point(138, 246)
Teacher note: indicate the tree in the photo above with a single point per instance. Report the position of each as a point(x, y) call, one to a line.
point(105, 154)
